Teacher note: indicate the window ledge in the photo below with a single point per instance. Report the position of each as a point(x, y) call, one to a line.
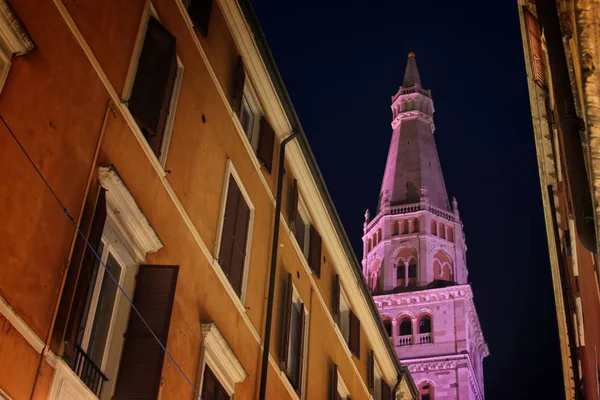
point(66, 385)
point(221, 358)
point(142, 237)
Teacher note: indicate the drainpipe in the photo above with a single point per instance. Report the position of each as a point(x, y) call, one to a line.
point(570, 125)
point(274, 248)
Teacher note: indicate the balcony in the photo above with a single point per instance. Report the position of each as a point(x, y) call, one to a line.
point(88, 371)
point(423, 338)
point(405, 340)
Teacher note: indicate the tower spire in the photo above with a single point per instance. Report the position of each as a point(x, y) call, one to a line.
point(411, 75)
point(413, 173)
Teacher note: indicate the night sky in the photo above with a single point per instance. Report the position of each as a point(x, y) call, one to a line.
point(342, 62)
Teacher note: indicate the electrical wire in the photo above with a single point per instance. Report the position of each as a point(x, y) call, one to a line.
point(106, 270)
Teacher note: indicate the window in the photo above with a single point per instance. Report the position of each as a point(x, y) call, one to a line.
point(14, 39)
point(382, 391)
point(412, 272)
point(388, 327)
point(96, 321)
point(212, 388)
point(307, 236)
point(425, 324)
point(199, 12)
point(293, 337)
point(234, 235)
point(222, 369)
point(100, 305)
point(155, 89)
point(425, 391)
point(349, 324)
point(405, 326)
point(401, 271)
point(337, 387)
point(344, 317)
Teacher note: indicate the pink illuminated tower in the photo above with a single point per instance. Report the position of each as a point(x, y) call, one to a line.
point(415, 258)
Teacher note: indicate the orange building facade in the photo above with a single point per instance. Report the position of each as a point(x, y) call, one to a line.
point(560, 40)
point(141, 144)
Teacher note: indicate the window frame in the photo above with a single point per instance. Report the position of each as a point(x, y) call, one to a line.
point(250, 99)
point(304, 345)
point(150, 12)
point(303, 215)
point(230, 171)
point(344, 320)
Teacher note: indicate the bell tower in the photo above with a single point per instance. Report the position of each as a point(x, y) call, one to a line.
point(414, 258)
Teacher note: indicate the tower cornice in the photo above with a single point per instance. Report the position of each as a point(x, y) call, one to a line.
point(413, 114)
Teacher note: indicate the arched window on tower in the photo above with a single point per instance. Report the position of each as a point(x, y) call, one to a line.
point(369, 246)
point(426, 391)
point(405, 332)
point(443, 231)
point(412, 272)
point(416, 225)
point(425, 333)
point(388, 327)
point(405, 226)
point(401, 274)
point(396, 228)
point(379, 235)
point(451, 234)
point(434, 228)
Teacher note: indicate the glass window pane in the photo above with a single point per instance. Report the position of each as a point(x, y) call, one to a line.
point(295, 346)
point(90, 294)
point(104, 311)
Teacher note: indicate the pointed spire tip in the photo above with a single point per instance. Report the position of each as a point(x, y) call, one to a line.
point(411, 54)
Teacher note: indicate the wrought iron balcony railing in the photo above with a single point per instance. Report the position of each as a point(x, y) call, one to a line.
point(88, 371)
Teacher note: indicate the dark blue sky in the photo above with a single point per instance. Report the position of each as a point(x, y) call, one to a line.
point(343, 60)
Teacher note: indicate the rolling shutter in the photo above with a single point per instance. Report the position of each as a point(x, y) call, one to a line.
point(536, 52)
point(86, 274)
point(286, 322)
point(237, 89)
point(371, 370)
point(142, 358)
point(314, 256)
point(266, 143)
point(232, 252)
point(354, 339)
point(335, 301)
point(293, 205)
point(153, 86)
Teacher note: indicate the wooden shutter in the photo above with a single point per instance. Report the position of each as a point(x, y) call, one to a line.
point(293, 205)
point(333, 392)
point(266, 143)
point(354, 339)
point(300, 349)
point(199, 11)
point(154, 80)
point(232, 252)
point(371, 370)
point(86, 274)
point(142, 358)
point(237, 88)
point(314, 256)
point(386, 391)
point(336, 293)
point(536, 52)
point(286, 321)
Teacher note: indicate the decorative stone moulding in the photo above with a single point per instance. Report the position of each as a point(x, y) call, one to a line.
point(12, 32)
point(221, 359)
point(141, 237)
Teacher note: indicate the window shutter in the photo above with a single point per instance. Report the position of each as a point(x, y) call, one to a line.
point(142, 358)
point(293, 205)
point(232, 251)
point(212, 388)
point(85, 277)
point(536, 52)
point(266, 143)
point(386, 391)
point(236, 272)
point(199, 11)
point(301, 349)
point(153, 86)
point(371, 370)
point(314, 257)
point(285, 329)
point(354, 339)
point(237, 91)
point(335, 303)
point(333, 392)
